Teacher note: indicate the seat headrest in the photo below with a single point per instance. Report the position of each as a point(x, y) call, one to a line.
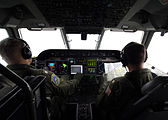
point(153, 83)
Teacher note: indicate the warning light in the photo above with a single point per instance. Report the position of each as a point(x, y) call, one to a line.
point(71, 61)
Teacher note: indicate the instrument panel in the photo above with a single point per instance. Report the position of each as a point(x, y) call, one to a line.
point(72, 66)
point(89, 62)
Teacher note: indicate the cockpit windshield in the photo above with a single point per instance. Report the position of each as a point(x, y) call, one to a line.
point(42, 40)
point(75, 41)
point(117, 40)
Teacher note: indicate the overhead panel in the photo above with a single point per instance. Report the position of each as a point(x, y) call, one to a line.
point(84, 13)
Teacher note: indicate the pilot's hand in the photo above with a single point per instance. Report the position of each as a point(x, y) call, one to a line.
point(78, 76)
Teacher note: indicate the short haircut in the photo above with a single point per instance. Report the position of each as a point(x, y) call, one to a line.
point(10, 49)
point(134, 53)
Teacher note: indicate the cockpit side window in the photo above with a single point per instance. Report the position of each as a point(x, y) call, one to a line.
point(3, 35)
point(157, 54)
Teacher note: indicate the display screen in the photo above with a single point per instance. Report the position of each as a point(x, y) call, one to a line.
point(92, 70)
point(51, 64)
point(76, 69)
point(91, 62)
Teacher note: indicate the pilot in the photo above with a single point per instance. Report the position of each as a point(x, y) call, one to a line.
point(127, 89)
point(17, 53)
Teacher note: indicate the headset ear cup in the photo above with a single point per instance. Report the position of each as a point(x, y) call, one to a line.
point(123, 59)
point(26, 52)
point(123, 62)
point(146, 56)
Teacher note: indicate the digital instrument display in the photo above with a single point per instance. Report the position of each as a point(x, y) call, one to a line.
point(91, 67)
point(51, 64)
point(63, 68)
point(91, 70)
point(91, 62)
point(76, 69)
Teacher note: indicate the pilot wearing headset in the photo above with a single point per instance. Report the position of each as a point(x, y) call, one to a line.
point(17, 53)
point(123, 90)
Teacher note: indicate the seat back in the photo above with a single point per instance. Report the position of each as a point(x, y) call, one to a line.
point(154, 98)
point(12, 105)
point(37, 84)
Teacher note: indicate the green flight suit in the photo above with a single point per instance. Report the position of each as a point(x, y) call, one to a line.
point(62, 87)
point(121, 91)
point(56, 88)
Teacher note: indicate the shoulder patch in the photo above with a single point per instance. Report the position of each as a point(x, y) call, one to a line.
point(55, 80)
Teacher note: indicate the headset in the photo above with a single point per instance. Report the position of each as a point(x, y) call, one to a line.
point(123, 54)
point(25, 51)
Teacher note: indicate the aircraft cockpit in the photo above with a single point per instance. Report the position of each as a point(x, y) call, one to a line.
point(71, 37)
point(90, 63)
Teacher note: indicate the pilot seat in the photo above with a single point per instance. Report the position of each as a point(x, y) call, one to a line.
point(25, 100)
point(154, 103)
